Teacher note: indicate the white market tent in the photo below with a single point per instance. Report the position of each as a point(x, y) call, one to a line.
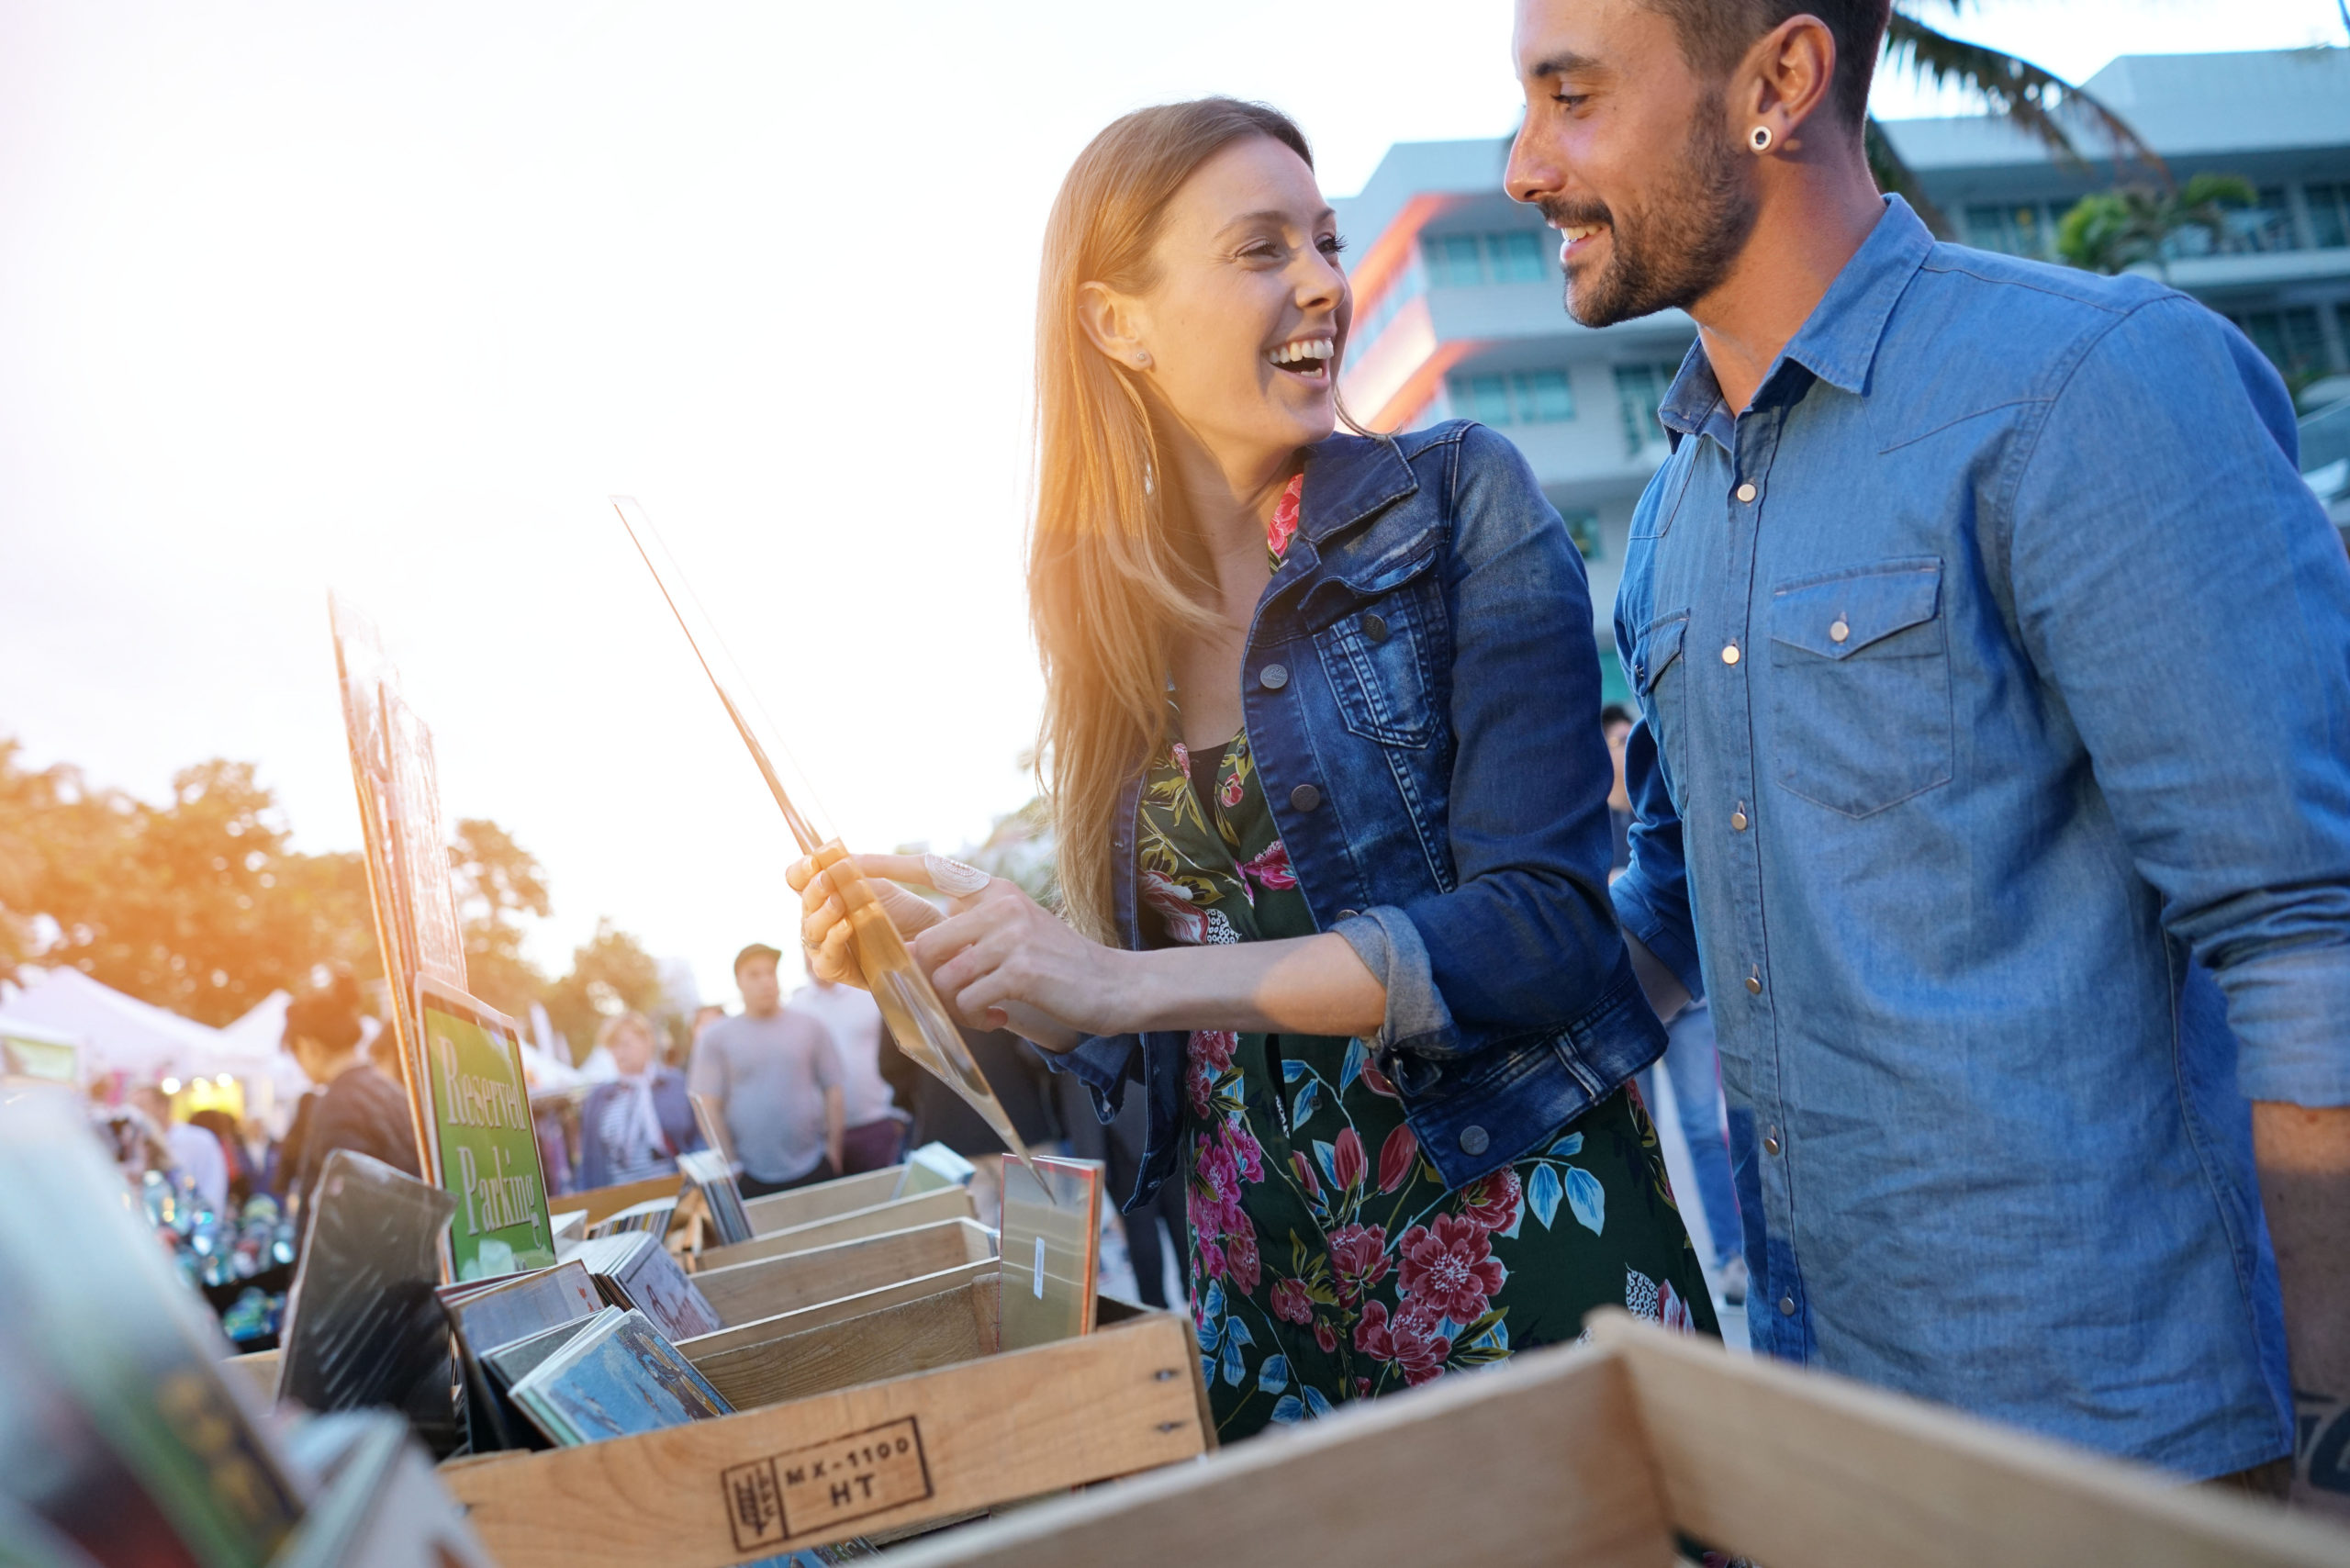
point(117, 1032)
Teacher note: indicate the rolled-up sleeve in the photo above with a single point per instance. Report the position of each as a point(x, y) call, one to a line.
point(2187, 597)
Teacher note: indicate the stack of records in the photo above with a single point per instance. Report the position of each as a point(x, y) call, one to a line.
point(637, 1271)
point(721, 1194)
point(652, 1217)
point(489, 1316)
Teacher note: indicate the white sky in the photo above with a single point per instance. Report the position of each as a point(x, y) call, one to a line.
point(390, 297)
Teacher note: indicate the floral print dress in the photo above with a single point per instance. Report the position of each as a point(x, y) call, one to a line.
point(1327, 1261)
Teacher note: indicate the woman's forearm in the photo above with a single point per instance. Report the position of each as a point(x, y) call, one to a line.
point(1306, 985)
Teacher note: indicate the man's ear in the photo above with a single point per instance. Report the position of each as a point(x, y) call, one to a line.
point(1118, 323)
point(1786, 79)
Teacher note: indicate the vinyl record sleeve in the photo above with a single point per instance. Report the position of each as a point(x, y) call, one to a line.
point(620, 1377)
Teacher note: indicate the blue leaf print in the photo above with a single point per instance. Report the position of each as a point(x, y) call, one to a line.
point(1274, 1376)
point(1315, 1403)
point(1236, 1332)
point(1233, 1371)
point(1356, 1057)
point(1288, 1409)
point(1493, 1338)
point(1305, 1107)
point(1210, 1335)
point(1213, 1305)
point(1207, 1371)
point(1542, 1195)
point(1329, 1161)
point(1568, 1145)
point(1588, 1198)
point(1293, 1068)
point(1516, 1224)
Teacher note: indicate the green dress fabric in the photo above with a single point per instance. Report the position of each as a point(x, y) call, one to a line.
point(1327, 1261)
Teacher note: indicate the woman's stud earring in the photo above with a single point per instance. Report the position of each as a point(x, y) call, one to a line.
point(1760, 139)
point(1142, 362)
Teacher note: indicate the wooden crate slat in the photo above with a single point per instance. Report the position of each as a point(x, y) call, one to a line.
point(900, 1214)
point(781, 1211)
point(816, 1315)
point(938, 1330)
point(1535, 1462)
point(727, 1491)
point(1803, 1470)
point(765, 1286)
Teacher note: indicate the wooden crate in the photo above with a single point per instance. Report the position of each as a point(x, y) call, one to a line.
point(898, 1213)
point(781, 1211)
point(817, 1314)
point(741, 1293)
point(1597, 1455)
point(602, 1203)
point(876, 1458)
point(940, 1328)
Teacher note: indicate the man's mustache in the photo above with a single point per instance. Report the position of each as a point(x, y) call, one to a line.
point(1562, 213)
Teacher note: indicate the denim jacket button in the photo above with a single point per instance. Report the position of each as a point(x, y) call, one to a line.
point(1746, 491)
point(1786, 1307)
point(1349, 914)
point(1474, 1140)
point(1305, 797)
point(1273, 677)
point(1375, 628)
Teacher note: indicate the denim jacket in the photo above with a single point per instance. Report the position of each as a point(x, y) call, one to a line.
point(1421, 691)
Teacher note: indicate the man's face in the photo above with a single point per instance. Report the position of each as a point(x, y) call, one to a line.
point(1631, 154)
point(762, 992)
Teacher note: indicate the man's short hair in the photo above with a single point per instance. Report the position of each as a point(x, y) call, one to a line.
point(757, 950)
point(1715, 34)
point(1615, 713)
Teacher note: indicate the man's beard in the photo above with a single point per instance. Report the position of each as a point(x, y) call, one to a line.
point(1672, 250)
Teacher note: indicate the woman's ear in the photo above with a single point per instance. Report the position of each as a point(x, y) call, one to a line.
point(1117, 324)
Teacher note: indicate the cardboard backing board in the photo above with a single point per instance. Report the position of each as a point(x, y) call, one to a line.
point(362, 1327)
point(477, 1103)
point(744, 1292)
point(1052, 1250)
point(900, 1214)
point(1604, 1451)
point(894, 1454)
point(816, 1315)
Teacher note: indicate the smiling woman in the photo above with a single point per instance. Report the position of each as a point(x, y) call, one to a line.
point(1330, 797)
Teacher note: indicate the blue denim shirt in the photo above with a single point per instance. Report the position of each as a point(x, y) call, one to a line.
point(1422, 703)
point(1994, 670)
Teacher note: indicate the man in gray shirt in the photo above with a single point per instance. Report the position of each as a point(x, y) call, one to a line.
point(778, 1077)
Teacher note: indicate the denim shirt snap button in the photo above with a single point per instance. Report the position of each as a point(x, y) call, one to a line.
point(1305, 797)
point(1273, 677)
point(1474, 1140)
point(1375, 628)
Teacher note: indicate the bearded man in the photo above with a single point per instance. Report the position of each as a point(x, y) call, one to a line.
point(1993, 769)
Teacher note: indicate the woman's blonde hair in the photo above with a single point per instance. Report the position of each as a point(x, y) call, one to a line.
point(610, 1030)
point(1115, 573)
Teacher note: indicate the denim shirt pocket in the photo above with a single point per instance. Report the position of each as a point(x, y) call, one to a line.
point(1861, 685)
point(1655, 655)
point(1383, 655)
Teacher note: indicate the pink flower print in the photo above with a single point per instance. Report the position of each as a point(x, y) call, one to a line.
point(1182, 757)
point(1271, 871)
point(1672, 1310)
point(1376, 1081)
point(1289, 1301)
point(1450, 1270)
point(1283, 528)
point(1305, 1177)
point(1346, 1160)
point(1247, 1152)
point(1395, 1157)
point(1175, 905)
point(1371, 1337)
point(1327, 1337)
point(1491, 1202)
point(1229, 795)
point(1199, 1086)
point(1212, 1263)
point(1359, 1257)
point(1217, 1189)
point(1408, 1339)
point(1240, 1257)
point(1213, 1049)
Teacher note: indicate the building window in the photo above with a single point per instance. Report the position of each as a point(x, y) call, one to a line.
point(2258, 229)
point(2292, 339)
point(1640, 392)
point(1371, 323)
point(2027, 229)
point(1582, 527)
point(1525, 397)
point(2329, 216)
point(1466, 261)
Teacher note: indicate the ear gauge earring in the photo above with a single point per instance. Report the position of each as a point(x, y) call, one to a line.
point(1760, 139)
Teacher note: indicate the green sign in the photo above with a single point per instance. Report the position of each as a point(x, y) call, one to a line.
point(480, 1116)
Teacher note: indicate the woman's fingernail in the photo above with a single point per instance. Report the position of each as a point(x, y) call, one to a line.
point(952, 877)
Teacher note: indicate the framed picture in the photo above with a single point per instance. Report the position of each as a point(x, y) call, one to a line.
point(477, 1110)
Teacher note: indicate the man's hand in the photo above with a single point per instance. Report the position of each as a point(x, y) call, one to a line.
point(2304, 1158)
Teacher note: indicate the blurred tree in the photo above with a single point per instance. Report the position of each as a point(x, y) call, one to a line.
point(497, 879)
point(2118, 229)
point(611, 974)
point(2036, 101)
point(198, 905)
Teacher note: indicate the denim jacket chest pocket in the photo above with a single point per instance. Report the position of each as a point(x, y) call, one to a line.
point(1861, 685)
point(1383, 649)
point(1657, 677)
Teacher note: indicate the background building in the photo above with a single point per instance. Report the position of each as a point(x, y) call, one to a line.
point(1458, 289)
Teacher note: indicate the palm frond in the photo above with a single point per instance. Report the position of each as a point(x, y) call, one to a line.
point(2027, 95)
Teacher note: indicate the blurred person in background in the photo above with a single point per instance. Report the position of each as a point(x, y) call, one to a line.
point(777, 1080)
point(362, 1109)
point(876, 1135)
point(634, 1126)
point(238, 1153)
point(1615, 723)
point(194, 1151)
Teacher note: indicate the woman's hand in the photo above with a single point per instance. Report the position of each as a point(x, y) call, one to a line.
point(1002, 960)
point(824, 925)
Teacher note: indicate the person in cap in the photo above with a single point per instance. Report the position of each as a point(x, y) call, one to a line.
point(778, 1079)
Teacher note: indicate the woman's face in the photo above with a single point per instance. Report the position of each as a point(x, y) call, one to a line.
point(632, 1049)
point(1248, 310)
